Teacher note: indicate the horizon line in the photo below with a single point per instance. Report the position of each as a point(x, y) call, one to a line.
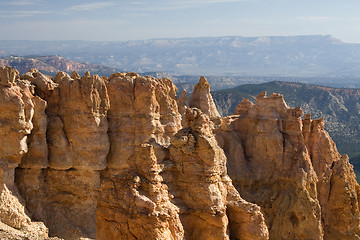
point(182, 38)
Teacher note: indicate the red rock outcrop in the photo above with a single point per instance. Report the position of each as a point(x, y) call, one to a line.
point(144, 108)
point(135, 204)
point(291, 168)
point(17, 111)
point(338, 191)
point(124, 158)
point(211, 208)
point(202, 99)
point(60, 184)
point(270, 166)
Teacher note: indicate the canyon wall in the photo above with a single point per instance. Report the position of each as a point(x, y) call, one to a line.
point(124, 158)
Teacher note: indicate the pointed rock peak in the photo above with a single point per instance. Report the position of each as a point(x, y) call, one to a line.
point(60, 76)
point(202, 99)
point(75, 75)
point(183, 96)
point(8, 76)
point(171, 88)
point(203, 82)
point(87, 74)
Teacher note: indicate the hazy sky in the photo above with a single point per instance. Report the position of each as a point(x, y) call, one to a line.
point(137, 19)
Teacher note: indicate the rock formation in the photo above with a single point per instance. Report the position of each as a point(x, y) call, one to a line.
point(299, 168)
point(124, 158)
point(139, 206)
point(60, 186)
point(211, 209)
point(338, 191)
point(202, 99)
point(17, 111)
point(182, 103)
point(143, 108)
point(135, 204)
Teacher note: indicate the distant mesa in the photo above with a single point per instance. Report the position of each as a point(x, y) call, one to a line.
point(51, 65)
point(270, 56)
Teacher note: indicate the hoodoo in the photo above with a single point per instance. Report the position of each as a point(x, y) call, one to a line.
point(124, 158)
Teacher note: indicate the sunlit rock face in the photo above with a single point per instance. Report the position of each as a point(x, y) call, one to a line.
point(338, 190)
point(17, 109)
point(212, 208)
point(134, 203)
point(291, 168)
point(142, 108)
point(202, 99)
point(124, 158)
point(59, 177)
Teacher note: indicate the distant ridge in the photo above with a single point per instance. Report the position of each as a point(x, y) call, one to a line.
point(293, 56)
point(51, 65)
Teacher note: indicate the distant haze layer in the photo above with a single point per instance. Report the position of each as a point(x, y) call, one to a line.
point(296, 56)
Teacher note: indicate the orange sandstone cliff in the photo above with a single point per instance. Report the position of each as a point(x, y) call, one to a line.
point(124, 158)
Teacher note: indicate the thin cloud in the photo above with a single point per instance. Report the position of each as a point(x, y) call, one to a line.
point(136, 3)
point(202, 2)
point(186, 4)
point(91, 6)
point(316, 18)
point(134, 15)
point(216, 1)
point(95, 30)
point(22, 3)
point(20, 14)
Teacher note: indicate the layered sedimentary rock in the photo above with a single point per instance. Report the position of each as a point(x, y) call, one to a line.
point(60, 183)
point(124, 158)
point(301, 171)
point(17, 111)
point(143, 108)
point(202, 99)
point(211, 208)
point(338, 191)
point(135, 204)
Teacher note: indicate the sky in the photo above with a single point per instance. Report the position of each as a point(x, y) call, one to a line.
point(138, 20)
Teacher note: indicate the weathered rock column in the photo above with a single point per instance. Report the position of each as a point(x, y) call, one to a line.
point(338, 191)
point(63, 192)
point(134, 202)
point(210, 206)
point(271, 166)
point(17, 111)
